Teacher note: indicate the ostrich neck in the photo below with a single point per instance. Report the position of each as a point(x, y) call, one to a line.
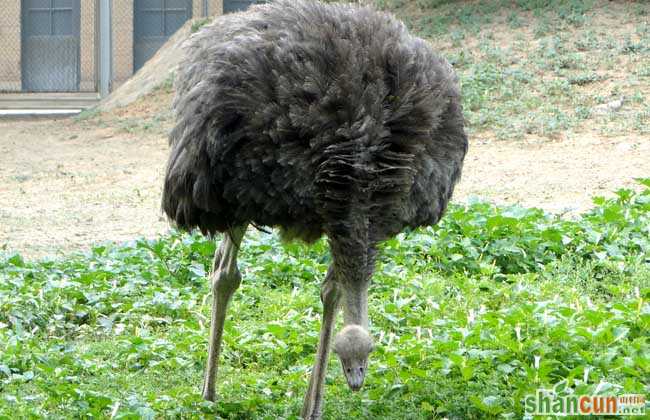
point(352, 256)
point(355, 303)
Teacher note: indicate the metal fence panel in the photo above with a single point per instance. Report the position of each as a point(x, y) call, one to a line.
point(50, 45)
point(155, 21)
point(230, 6)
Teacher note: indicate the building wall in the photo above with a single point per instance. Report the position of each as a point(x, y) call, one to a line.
point(87, 47)
point(122, 34)
point(215, 7)
point(122, 41)
point(10, 78)
point(197, 8)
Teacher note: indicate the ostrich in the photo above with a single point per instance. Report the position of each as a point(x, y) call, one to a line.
point(318, 119)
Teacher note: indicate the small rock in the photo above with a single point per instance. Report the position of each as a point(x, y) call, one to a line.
point(624, 147)
point(609, 107)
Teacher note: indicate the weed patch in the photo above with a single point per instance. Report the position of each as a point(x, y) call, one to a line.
point(468, 316)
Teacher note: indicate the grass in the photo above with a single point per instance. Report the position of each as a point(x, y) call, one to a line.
point(468, 317)
point(199, 23)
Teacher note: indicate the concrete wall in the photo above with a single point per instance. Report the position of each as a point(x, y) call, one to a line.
point(215, 7)
point(10, 45)
point(87, 47)
point(197, 8)
point(122, 41)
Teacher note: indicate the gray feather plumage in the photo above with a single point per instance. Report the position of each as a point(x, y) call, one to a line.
point(299, 114)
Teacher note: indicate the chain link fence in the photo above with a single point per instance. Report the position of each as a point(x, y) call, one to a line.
point(54, 45)
point(47, 45)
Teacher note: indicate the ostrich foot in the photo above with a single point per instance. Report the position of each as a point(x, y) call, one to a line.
point(311, 409)
point(208, 394)
point(314, 415)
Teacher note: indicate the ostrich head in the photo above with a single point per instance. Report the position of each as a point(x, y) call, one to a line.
point(353, 345)
point(353, 256)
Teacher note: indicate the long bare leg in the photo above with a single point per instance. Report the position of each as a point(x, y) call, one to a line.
point(225, 278)
point(371, 261)
point(330, 296)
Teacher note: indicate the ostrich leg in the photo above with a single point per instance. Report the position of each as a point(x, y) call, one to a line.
point(330, 296)
point(225, 279)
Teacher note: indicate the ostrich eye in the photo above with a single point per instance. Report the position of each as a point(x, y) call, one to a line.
point(348, 370)
point(361, 369)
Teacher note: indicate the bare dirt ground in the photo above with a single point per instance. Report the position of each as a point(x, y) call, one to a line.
point(67, 184)
point(64, 186)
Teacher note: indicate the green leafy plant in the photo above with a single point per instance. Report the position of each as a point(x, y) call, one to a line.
point(468, 318)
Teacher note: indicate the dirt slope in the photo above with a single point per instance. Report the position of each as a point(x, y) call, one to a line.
point(157, 71)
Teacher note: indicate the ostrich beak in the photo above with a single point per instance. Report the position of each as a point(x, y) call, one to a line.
point(355, 376)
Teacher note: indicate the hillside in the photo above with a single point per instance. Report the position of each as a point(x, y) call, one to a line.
point(528, 68)
point(543, 68)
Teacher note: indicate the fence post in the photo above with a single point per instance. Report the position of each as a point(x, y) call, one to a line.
point(105, 45)
point(206, 11)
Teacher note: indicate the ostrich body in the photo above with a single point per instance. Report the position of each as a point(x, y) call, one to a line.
point(316, 119)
